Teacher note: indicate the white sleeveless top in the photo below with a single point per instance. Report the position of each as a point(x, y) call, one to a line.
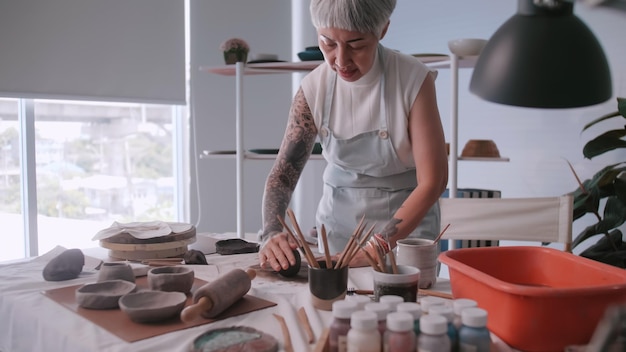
point(357, 104)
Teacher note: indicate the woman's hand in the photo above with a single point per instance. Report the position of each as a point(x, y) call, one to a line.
point(277, 251)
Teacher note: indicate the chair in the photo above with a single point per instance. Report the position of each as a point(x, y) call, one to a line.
point(544, 219)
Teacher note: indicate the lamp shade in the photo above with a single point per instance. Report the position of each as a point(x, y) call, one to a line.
point(543, 57)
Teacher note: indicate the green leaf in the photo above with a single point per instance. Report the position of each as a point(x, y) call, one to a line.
point(605, 142)
point(621, 110)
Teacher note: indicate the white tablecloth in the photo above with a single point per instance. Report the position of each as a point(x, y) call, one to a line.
point(30, 321)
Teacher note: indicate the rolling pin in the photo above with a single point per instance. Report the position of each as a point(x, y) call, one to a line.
point(215, 297)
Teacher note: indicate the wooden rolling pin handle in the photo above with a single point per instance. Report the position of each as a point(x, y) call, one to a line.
point(251, 273)
point(194, 311)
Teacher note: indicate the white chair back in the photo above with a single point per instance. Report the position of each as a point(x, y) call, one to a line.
point(544, 219)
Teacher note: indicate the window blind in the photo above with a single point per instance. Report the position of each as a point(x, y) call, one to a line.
point(108, 50)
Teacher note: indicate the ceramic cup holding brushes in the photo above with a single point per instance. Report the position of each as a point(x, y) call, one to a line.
point(327, 285)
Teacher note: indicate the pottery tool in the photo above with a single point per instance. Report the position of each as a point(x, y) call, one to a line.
point(285, 330)
point(304, 320)
point(348, 246)
point(441, 234)
point(420, 292)
point(215, 297)
point(301, 244)
point(309, 254)
point(329, 262)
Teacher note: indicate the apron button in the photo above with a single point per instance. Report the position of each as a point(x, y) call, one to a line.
point(324, 132)
point(383, 134)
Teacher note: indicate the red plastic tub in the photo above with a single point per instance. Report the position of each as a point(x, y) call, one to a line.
point(537, 298)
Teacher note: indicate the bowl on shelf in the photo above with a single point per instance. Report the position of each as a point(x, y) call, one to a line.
point(480, 148)
point(537, 298)
point(311, 53)
point(466, 46)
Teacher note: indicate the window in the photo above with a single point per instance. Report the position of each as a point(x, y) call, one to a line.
point(95, 163)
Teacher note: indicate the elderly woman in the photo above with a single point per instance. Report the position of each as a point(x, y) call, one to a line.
point(375, 113)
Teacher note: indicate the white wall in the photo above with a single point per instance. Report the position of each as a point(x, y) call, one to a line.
point(537, 141)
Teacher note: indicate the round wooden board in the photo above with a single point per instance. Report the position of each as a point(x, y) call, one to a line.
point(125, 238)
point(149, 254)
point(131, 247)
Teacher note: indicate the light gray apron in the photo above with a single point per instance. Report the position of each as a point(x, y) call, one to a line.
point(364, 176)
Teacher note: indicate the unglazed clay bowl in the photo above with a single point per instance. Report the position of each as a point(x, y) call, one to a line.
point(171, 278)
point(116, 271)
point(152, 306)
point(103, 294)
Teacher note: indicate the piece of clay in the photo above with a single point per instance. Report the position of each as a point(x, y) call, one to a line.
point(194, 256)
point(294, 269)
point(236, 246)
point(65, 266)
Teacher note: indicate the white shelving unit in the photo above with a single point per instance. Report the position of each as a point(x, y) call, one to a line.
point(239, 70)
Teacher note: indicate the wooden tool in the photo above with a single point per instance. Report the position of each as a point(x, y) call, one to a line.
point(215, 297)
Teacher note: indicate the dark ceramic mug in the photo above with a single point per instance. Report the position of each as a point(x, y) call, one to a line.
point(327, 285)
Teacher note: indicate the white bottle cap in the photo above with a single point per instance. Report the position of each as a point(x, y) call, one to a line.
point(399, 321)
point(433, 324)
point(413, 308)
point(429, 301)
point(444, 310)
point(360, 300)
point(474, 317)
point(391, 300)
point(461, 303)
point(381, 309)
point(363, 319)
point(343, 309)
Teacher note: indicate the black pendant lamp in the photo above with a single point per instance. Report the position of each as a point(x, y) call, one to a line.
point(543, 57)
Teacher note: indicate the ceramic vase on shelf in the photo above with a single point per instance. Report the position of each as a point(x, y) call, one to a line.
point(235, 50)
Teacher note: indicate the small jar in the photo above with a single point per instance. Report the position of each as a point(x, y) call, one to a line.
point(434, 334)
point(363, 335)
point(474, 335)
point(458, 305)
point(391, 300)
point(415, 310)
point(399, 336)
point(429, 301)
point(447, 312)
point(360, 300)
point(339, 327)
point(381, 310)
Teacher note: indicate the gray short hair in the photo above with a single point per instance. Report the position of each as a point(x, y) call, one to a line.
point(365, 16)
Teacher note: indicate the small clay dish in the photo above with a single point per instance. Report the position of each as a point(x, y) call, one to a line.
point(171, 278)
point(152, 306)
point(103, 294)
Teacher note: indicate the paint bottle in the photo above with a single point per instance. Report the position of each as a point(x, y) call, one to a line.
point(433, 334)
point(360, 300)
point(363, 335)
point(391, 300)
point(458, 305)
point(474, 335)
point(429, 301)
point(447, 312)
point(381, 310)
point(415, 310)
point(339, 327)
point(399, 336)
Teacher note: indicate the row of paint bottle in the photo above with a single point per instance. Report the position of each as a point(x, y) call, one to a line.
point(392, 325)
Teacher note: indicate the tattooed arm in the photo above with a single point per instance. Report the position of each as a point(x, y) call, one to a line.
point(294, 152)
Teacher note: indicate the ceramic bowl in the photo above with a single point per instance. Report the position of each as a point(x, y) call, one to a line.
point(152, 306)
point(311, 53)
point(480, 148)
point(171, 278)
point(103, 294)
point(466, 46)
point(116, 271)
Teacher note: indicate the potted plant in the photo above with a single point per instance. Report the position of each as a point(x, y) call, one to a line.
point(235, 50)
point(604, 195)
